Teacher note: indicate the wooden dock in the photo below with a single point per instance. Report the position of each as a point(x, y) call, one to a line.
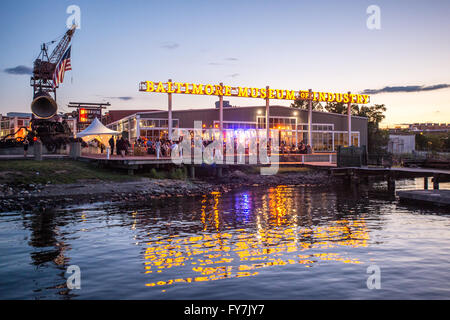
point(359, 174)
point(132, 163)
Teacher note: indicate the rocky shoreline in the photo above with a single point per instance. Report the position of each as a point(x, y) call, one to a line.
point(40, 197)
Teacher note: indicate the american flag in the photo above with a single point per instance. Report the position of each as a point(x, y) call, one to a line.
point(63, 66)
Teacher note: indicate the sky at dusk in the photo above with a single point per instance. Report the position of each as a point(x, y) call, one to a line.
point(324, 45)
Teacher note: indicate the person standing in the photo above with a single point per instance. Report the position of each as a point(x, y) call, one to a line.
point(111, 144)
point(26, 143)
point(158, 148)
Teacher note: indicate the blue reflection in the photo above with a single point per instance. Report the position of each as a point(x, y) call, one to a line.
point(243, 207)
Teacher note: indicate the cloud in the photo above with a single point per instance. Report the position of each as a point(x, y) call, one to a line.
point(124, 98)
point(19, 70)
point(170, 45)
point(406, 89)
point(234, 75)
point(231, 59)
point(215, 64)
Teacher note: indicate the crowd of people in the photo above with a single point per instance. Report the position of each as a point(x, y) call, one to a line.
point(300, 148)
point(164, 147)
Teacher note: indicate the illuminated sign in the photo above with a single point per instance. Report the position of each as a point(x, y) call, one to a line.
point(250, 92)
point(87, 115)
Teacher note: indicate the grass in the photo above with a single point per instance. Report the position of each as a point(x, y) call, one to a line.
point(17, 172)
point(179, 174)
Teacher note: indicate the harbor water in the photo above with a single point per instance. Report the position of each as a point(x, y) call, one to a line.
point(282, 242)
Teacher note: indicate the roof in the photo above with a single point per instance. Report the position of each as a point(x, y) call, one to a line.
point(96, 128)
point(115, 115)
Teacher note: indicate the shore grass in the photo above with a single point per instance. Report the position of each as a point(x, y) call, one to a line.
point(18, 172)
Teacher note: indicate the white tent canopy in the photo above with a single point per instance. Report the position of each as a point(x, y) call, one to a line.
point(97, 130)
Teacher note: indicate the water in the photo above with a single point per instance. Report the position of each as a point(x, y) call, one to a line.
point(264, 243)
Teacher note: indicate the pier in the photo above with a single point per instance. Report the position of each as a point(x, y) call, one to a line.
point(358, 175)
point(132, 163)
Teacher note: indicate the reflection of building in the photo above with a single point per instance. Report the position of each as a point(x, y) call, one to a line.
point(11, 123)
point(276, 239)
point(402, 143)
point(329, 130)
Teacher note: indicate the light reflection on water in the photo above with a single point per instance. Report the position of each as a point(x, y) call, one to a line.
point(264, 243)
point(274, 239)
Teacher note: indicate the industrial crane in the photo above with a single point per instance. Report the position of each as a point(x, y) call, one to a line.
point(43, 105)
point(52, 134)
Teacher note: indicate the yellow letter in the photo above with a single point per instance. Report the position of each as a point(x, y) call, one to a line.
point(338, 97)
point(360, 98)
point(330, 97)
point(322, 96)
point(227, 91)
point(290, 95)
point(263, 93)
point(346, 98)
point(271, 96)
point(150, 86)
point(243, 92)
point(209, 89)
point(366, 98)
point(178, 84)
point(278, 94)
point(187, 88)
point(219, 90)
point(197, 89)
point(352, 98)
point(169, 87)
point(254, 92)
point(160, 88)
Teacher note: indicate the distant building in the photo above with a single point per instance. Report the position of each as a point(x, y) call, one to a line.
point(328, 130)
point(429, 127)
point(12, 122)
point(115, 115)
point(226, 104)
point(402, 143)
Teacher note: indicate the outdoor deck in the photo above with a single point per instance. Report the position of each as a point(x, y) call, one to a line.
point(322, 160)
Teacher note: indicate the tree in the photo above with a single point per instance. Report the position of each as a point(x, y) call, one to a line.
point(304, 104)
point(377, 139)
point(338, 107)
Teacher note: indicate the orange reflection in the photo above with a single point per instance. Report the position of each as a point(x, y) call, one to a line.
point(276, 240)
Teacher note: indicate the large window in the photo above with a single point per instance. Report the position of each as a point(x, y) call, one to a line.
point(235, 125)
point(281, 123)
point(157, 123)
point(322, 141)
point(341, 139)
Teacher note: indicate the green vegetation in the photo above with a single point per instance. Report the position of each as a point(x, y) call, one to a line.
point(435, 142)
point(16, 172)
point(178, 174)
point(377, 138)
point(55, 171)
